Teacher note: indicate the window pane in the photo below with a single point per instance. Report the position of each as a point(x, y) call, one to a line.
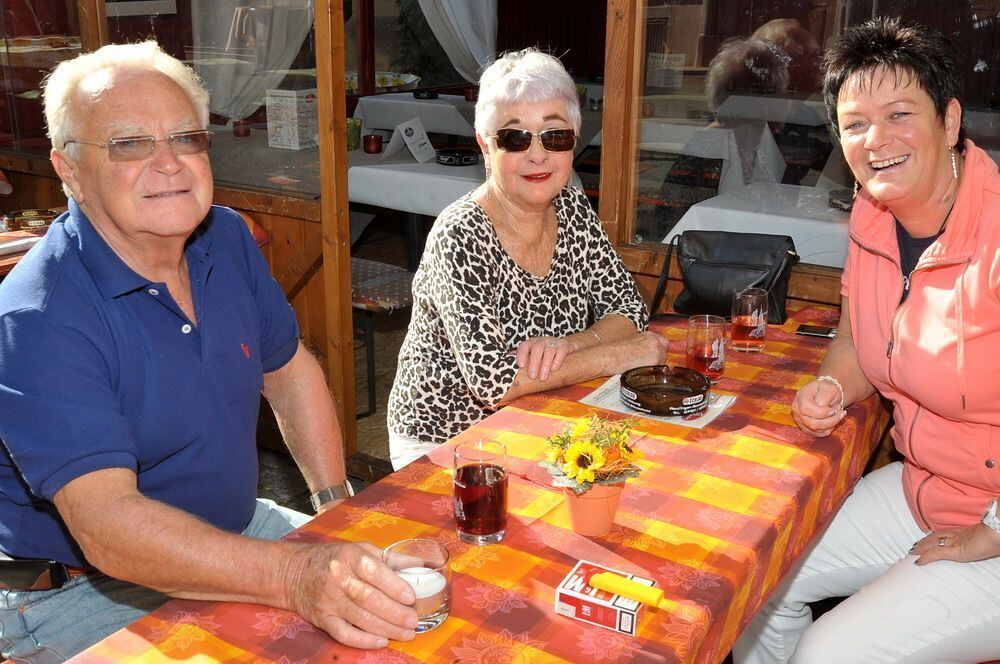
point(407, 54)
point(33, 42)
point(251, 56)
point(733, 130)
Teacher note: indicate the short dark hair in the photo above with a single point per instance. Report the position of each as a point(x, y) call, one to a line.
point(916, 52)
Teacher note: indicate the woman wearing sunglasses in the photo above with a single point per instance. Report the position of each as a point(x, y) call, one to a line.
point(519, 289)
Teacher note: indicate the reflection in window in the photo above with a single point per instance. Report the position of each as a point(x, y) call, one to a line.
point(733, 129)
point(36, 37)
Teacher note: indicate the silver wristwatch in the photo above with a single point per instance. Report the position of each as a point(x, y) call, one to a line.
point(990, 518)
point(330, 494)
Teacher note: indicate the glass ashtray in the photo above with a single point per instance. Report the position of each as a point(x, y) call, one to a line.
point(664, 390)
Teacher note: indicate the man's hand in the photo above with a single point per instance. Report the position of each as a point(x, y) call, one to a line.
point(964, 545)
point(817, 408)
point(347, 591)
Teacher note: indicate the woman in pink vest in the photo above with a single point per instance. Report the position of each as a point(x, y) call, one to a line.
point(916, 546)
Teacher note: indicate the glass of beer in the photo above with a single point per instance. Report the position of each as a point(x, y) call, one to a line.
point(749, 319)
point(706, 346)
point(423, 564)
point(481, 491)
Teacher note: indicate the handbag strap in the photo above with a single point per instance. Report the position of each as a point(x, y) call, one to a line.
point(661, 285)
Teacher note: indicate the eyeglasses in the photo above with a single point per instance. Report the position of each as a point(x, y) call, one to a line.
point(519, 140)
point(136, 148)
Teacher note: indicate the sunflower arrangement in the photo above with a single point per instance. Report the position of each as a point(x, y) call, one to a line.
point(592, 451)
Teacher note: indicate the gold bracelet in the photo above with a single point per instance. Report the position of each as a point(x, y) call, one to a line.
point(596, 335)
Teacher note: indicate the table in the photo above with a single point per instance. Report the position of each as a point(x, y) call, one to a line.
point(717, 518)
point(13, 246)
point(748, 151)
point(811, 112)
point(448, 114)
point(819, 231)
point(420, 190)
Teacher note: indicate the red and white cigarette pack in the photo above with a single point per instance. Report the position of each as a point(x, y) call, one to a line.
point(576, 599)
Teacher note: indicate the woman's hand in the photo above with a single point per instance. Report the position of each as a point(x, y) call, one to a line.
point(817, 408)
point(542, 355)
point(964, 545)
point(640, 350)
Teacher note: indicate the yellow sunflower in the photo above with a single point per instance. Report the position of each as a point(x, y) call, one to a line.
point(581, 460)
point(582, 427)
point(629, 453)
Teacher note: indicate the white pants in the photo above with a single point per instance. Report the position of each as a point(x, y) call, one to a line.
point(404, 450)
point(939, 613)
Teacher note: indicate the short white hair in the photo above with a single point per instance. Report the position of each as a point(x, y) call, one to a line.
point(520, 77)
point(61, 85)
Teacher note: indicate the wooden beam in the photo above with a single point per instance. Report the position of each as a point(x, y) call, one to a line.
point(366, 46)
point(93, 24)
point(335, 215)
point(622, 88)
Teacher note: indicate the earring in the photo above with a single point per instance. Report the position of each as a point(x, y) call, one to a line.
point(857, 188)
point(954, 163)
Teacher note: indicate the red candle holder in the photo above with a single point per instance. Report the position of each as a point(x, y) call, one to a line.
point(241, 128)
point(372, 143)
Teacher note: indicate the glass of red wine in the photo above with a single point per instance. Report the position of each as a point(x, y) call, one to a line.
point(706, 346)
point(481, 491)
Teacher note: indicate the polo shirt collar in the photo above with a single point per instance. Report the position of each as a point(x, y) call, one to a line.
point(111, 274)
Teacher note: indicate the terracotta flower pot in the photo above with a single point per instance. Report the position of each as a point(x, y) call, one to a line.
point(593, 513)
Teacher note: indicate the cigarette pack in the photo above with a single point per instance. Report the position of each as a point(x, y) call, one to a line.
point(291, 119)
point(576, 599)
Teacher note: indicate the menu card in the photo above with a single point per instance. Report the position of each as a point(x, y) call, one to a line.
point(607, 397)
point(413, 135)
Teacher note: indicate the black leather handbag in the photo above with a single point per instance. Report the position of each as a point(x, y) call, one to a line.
point(716, 263)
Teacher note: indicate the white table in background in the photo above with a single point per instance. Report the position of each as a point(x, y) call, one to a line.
point(448, 114)
point(804, 213)
point(400, 183)
point(748, 151)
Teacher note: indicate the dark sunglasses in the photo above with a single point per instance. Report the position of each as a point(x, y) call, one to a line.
point(519, 140)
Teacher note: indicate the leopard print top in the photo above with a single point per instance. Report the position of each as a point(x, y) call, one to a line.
point(473, 305)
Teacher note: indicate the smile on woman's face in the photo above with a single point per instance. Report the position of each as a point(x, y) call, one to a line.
point(893, 139)
point(532, 178)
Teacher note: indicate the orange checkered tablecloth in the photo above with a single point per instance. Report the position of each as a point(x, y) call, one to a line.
point(717, 518)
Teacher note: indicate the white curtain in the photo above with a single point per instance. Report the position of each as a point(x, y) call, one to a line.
point(241, 51)
point(466, 30)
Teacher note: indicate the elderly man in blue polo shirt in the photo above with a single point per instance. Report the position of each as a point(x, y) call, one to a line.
point(135, 341)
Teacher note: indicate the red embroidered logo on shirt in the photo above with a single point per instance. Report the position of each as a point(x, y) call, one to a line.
point(246, 350)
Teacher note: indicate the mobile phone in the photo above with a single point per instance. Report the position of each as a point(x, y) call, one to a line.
point(32, 574)
point(817, 331)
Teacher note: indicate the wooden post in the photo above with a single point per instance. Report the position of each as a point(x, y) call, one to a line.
point(622, 87)
point(93, 24)
point(335, 214)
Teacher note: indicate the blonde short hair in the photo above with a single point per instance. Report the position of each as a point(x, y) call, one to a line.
point(62, 83)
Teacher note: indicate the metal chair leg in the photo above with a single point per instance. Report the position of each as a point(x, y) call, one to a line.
point(368, 331)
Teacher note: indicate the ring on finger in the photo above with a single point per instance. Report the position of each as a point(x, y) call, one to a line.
point(550, 344)
point(942, 541)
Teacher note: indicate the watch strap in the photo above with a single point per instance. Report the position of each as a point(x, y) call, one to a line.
point(330, 494)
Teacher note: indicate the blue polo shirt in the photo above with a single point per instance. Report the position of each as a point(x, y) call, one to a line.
point(99, 368)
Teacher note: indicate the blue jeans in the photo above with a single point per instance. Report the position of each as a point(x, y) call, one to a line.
point(43, 626)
